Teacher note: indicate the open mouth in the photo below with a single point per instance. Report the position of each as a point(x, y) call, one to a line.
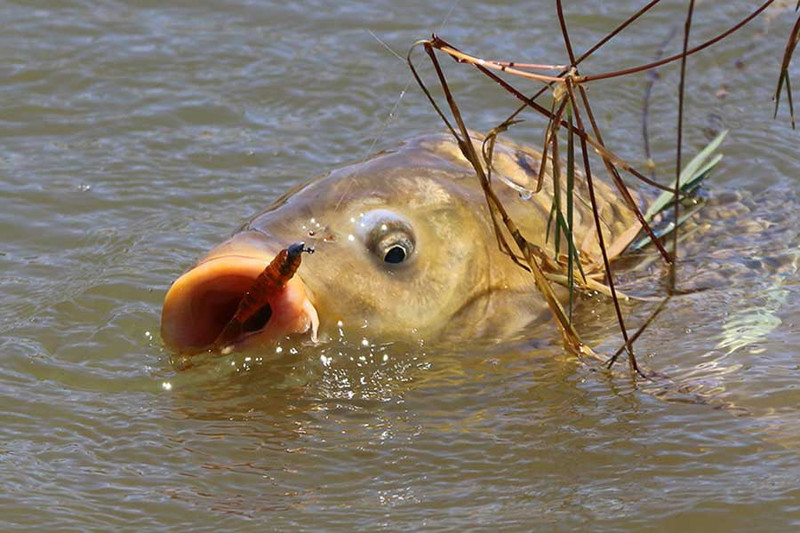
point(203, 301)
point(258, 321)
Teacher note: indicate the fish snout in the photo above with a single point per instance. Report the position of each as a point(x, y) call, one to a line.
point(207, 300)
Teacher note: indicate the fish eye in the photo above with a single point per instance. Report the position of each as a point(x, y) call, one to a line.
point(388, 236)
point(395, 248)
point(395, 254)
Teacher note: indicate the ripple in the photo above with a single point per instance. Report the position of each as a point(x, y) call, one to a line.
point(137, 136)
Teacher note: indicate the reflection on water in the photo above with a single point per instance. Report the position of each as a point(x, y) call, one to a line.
point(136, 136)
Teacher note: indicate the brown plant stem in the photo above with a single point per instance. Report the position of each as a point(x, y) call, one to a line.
point(678, 162)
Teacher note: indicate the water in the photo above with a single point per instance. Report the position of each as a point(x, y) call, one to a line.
point(136, 135)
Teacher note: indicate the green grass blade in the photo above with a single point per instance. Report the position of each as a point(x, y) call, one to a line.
point(690, 177)
point(665, 229)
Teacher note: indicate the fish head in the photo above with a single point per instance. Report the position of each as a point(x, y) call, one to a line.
point(403, 246)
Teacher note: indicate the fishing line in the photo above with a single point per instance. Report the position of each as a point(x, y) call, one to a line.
point(393, 113)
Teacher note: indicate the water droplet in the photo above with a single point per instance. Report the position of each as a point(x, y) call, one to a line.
point(525, 195)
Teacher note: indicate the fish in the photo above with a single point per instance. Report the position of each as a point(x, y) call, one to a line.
point(404, 246)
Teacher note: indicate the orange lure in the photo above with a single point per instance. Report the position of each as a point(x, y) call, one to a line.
point(274, 278)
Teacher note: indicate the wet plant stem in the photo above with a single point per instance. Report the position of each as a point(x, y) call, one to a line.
point(678, 164)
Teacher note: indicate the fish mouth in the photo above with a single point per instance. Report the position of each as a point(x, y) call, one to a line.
point(202, 302)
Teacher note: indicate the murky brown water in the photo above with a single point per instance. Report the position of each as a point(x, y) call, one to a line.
point(136, 135)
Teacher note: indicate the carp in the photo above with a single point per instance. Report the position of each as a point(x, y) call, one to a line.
point(405, 244)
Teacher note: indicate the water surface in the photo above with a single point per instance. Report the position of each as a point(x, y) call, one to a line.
point(138, 134)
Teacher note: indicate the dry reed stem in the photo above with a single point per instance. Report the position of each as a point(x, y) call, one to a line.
point(568, 81)
point(783, 77)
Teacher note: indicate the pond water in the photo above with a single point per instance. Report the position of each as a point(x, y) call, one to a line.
point(136, 135)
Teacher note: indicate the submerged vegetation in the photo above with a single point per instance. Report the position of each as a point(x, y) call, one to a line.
point(571, 135)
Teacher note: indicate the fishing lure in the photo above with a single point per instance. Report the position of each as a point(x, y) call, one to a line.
point(255, 302)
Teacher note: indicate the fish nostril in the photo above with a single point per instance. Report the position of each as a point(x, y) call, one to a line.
point(258, 320)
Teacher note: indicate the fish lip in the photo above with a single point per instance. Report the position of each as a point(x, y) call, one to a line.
point(202, 300)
